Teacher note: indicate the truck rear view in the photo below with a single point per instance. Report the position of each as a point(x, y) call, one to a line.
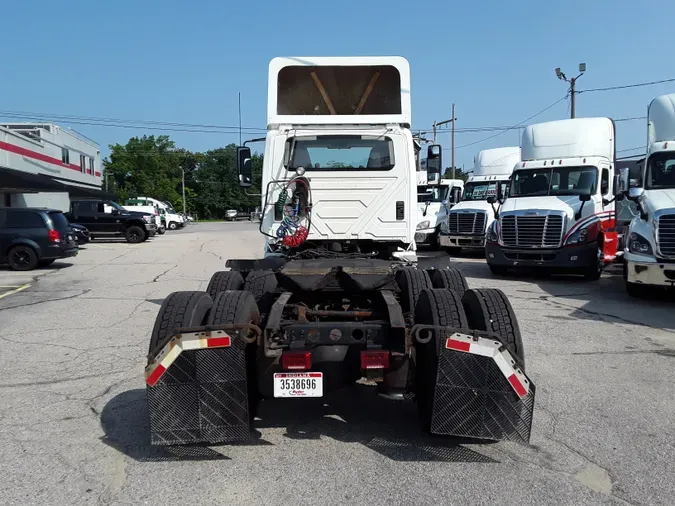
point(337, 296)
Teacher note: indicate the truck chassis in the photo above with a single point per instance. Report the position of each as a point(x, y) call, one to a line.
point(420, 335)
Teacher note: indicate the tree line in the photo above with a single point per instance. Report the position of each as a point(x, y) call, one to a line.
point(152, 166)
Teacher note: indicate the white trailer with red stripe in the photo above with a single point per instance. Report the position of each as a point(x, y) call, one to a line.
point(50, 152)
point(560, 210)
point(317, 315)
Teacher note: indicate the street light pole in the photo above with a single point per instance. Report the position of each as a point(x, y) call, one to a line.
point(184, 206)
point(573, 89)
point(452, 133)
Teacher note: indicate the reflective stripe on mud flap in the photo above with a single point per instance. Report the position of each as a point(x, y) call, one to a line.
point(183, 342)
point(489, 348)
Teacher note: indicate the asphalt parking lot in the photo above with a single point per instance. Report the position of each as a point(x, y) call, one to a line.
point(74, 430)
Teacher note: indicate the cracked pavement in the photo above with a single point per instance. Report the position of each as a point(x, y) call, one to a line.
point(73, 423)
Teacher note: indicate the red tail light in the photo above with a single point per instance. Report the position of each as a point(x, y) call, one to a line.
point(296, 360)
point(54, 236)
point(374, 360)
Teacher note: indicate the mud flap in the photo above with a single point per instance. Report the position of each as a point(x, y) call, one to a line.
point(197, 390)
point(480, 390)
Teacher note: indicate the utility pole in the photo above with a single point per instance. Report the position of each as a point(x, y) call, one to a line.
point(452, 120)
point(573, 82)
point(240, 118)
point(184, 203)
point(453, 141)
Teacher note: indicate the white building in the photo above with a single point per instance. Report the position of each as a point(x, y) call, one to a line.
point(44, 165)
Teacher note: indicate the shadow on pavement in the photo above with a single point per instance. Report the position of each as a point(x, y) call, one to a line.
point(355, 414)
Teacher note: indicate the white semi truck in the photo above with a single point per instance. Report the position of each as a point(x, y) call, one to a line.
point(560, 210)
point(649, 254)
point(433, 204)
point(468, 220)
point(337, 295)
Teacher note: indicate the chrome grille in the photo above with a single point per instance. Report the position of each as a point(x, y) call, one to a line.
point(532, 231)
point(666, 235)
point(466, 223)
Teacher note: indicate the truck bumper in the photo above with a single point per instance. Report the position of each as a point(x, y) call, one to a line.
point(462, 241)
point(569, 258)
point(151, 229)
point(650, 273)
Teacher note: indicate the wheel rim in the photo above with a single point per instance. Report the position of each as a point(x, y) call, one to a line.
point(21, 258)
point(133, 235)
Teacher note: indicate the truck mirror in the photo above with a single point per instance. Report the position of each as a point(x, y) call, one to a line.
point(585, 197)
point(491, 199)
point(622, 181)
point(434, 159)
point(635, 192)
point(244, 166)
point(456, 194)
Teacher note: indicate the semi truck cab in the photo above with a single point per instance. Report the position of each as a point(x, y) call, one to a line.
point(560, 211)
point(649, 254)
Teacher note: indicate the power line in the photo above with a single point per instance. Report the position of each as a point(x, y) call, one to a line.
point(514, 126)
point(623, 87)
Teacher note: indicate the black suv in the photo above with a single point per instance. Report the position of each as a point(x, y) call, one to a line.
point(109, 219)
point(32, 237)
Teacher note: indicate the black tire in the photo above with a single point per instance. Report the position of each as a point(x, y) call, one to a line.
point(179, 309)
point(22, 258)
point(224, 280)
point(489, 309)
point(172, 225)
point(436, 306)
point(45, 263)
point(411, 282)
point(498, 270)
point(636, 290)
point(450, 279)
point(161, 230)
point(594, 272)
point(135, 234)
point(263, 286)
point(240, 307)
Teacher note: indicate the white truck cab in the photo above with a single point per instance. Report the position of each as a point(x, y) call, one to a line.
point(433, 205)
point(339, 169)
point(467, 221)
point(560, 210)
point(649, 254)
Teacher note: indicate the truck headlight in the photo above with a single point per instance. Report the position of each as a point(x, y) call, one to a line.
point(584, 235)
point(639, 245)
point(492, 235)
point(147, 218)
point(423, 224)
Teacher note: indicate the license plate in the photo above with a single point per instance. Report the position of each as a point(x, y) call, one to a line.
point(298, 384)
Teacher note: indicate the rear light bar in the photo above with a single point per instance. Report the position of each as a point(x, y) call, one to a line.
point(375, 359)
point(296, 360)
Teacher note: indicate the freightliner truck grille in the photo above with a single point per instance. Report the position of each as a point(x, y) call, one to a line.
point(666, 235)
point(532, 231)
point(466, 223)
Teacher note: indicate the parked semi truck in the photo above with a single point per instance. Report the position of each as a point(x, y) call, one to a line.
point(338, 295)
point(433, 205)
point(560, 210)
point(467, 222)
point(649, 254)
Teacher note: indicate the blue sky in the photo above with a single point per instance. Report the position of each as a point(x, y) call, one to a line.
point(185, 62)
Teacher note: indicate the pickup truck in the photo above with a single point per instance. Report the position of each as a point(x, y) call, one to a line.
point(109, 219)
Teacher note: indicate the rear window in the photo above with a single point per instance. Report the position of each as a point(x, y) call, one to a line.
point(60, 222)
point(24, 219)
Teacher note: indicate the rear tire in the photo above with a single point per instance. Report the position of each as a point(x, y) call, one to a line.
point(179, 309)
point(224, 280)
point(435, 307)
point(411, 281)
point(263, 286)
point(450, 279)
point(240, 307)
point(489, 309)
point(22, 258)
point(135, 234)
